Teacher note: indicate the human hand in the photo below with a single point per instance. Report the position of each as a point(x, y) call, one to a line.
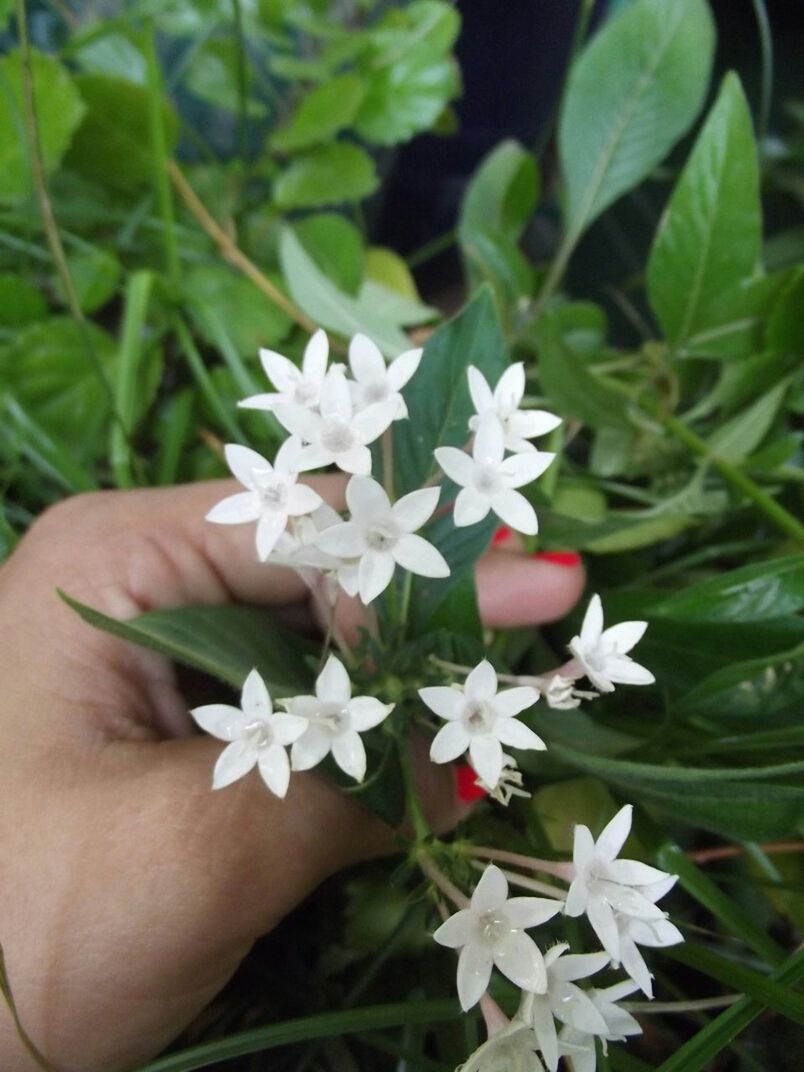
point(130, 892)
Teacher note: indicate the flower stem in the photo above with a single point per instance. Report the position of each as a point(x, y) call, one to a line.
point(699, 1005)
point(438, 878)
point(529, 883)
point(532, 863)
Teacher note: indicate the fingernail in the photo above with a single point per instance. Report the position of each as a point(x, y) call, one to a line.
point(466, 784)
point(559, 558)
point(502, 534)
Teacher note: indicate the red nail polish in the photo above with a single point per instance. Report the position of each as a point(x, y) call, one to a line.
point(559, 558)
point(466, 787)
point(502, 534)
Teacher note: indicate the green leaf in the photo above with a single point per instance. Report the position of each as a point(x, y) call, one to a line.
point(387, 268)
point(710, 237)
point(113, 144)
point(753, 593)
point(59, 110)
point(110, 53)
point(95, 274)
point(392, 307)
point(330, 307)
point(785, 326)
point(408, 72)
point(326, 175)
point(225, 641)
point(740, 436)
point(20, 302)
point(322, 113)
point(213, 76)
point(438, 395)
point(336, 246)
point(216, 295)
point(632, 93)
point(751, 692)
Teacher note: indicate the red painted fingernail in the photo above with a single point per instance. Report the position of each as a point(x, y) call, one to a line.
point(467, 787)
point(500, 536)
point(559, 558)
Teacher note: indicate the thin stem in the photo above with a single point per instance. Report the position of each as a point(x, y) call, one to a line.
point(531, 863)
point(526, 883)
point(766, 60)
point(156, 129)
point(242, 84)
point(726, 852)
point(234, 254)
point(699, 1005)
point(555, 273)
point(387, 448)
point(202, 378)
point(438, 878)
point(432, 248)
point(326, 608)
point(404, 609)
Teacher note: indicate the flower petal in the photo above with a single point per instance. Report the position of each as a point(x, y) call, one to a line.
point(333, 684)
point(656, 933)
point(357, 460)
point(623, 670)
point(346, 540)
point(255, 698)
point(316, 353)
point(520, 959)
point(577, 897)
point(525, 912)
point(474, 972)
point(298, 420)
point(411, 511)
point(573, 1007)
point(489, 445)
point(515, 510)
point(403, 368)
point(456, 464)
point(481, 683)
point(282, 373)
point(634, 964)
point(491, 891)
point(629, 900)
point(447, 702)
point(524, 468)
point(269, 528)
point(314, 456)
point(470, 507)
point(579, 966)
point(457, 930)
point(310, 749)
point(302, 500)
point(418, 555)
point(623, 636)
point(235, 509)
point(583, 846)
point(515, 734)
point(264, 401)
point(349, 753)
point(366, 500)
point(221, 720)
point(368, 712)
point(544, 1025)
point(614, 833)
point(336, 402)
point(244, 462)
point(604, 925)
point(451, 741)
point(365, 360)
point(370, 423)
point(631, 873)
point(274, 767)
point(592, 627)
point(510, 702)
point(481, 393)
point(374, 574)
point(287, 728)
point(530, 423)
point(487, 758)
point(236, 760)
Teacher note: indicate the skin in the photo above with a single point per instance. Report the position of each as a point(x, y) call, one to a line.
point(130, 891)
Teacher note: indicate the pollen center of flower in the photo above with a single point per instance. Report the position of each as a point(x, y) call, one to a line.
point(375, 392)
point(335, 718)
point(258, 733)
point(274, 495)
point(305, 393)
point(493, 926)
point(337, 437)
point(479, 717)
point(381, 537)
point(487, 481)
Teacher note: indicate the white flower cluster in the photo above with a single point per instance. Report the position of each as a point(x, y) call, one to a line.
point(555, 1015)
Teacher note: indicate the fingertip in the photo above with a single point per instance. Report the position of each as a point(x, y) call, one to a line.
point(516, 590)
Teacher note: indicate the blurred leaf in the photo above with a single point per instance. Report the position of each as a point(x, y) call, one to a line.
point(409, 73)
point(627, 533)
point(741, 435)
point(218, 295)
point(95, 274)
point(393, 307)
point(632, 93)
point(113, 144)
point(212, 76)
point(330, 307)
point(59, 110)
point(20, 301)
point(561, 806)
point(326, 175)
point(322, 113)
point(737, 976)
point(753, 593)
point(754, 689)
point(336, 246)
point(110, 53)
point(387, 268)
point(709, 239)
point(784, 333)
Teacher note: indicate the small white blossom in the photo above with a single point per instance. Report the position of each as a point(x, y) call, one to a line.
point(337, 435)
point(655, 933)
point(491, 932)
point(255, 734)
point(381, 536)
point(272, 496)
point(374, 381)
point(580, 1045)
point(518, 425)
point(512, 1049)
point(561, 694)
point(481, 720)
point(487, 481)
point(299, 387)
point(563, 1000)
point(333, 722)
point(602, 885)
point(602, 652)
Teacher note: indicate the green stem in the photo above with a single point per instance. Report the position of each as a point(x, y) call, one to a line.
point(242, 83)
point(404, 610)
point(555, 274)
point(156, 127)
point(432, 248)
point(202, 378)
point(138, 295)
point(766, 59)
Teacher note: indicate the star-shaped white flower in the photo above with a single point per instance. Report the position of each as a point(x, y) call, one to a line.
point(272, 496)
point(337, 435)
point(602, 885)
point(655, 933)
point(602, 652)
point(580, 1045)
point(296, 386)
point(481, 720)
point(487, 482)
point(374, 381)
point(381, 536)
point(563, 1000)
point(255, 734)
point(512, 1049)
point(333, 721)
point(491, 932)
point(504, 401)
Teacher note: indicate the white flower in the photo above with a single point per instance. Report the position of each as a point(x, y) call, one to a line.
point(580, 1045)
point(337, 435)
point(333, 722)
point(656, 933)
point(518, 425)
point(381, 536)
point(602, 652)
point(300, 387)
point(561, 694)
point(602, 885)
point(272, 497)
point(508, 785)
point(374, 381)
point(256, 736)
point(512, 1049)
point(487, 482)
point(481, 719)
point(563, 1000)
point(491, 932)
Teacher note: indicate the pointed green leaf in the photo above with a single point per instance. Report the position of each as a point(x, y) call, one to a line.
point(771, 589)
point(326, 175)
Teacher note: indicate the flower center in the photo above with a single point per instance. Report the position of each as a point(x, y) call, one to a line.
point(258, 733)
point(334, 717)
point(375, 392)
point(337, 437)
point(381, 537)
point(273, 496)
point(487, 481)
point(305, 393)
point(479, 717)
point(493, 926)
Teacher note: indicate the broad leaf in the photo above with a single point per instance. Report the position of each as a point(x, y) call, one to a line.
point(336, 246)
point(321, 114)
point(753, 691)
point(216, 294)
point(21, 302)
point(753, 593)
point(326, 175)
point(740, 436)
point(709, 239)
point(633, 92)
